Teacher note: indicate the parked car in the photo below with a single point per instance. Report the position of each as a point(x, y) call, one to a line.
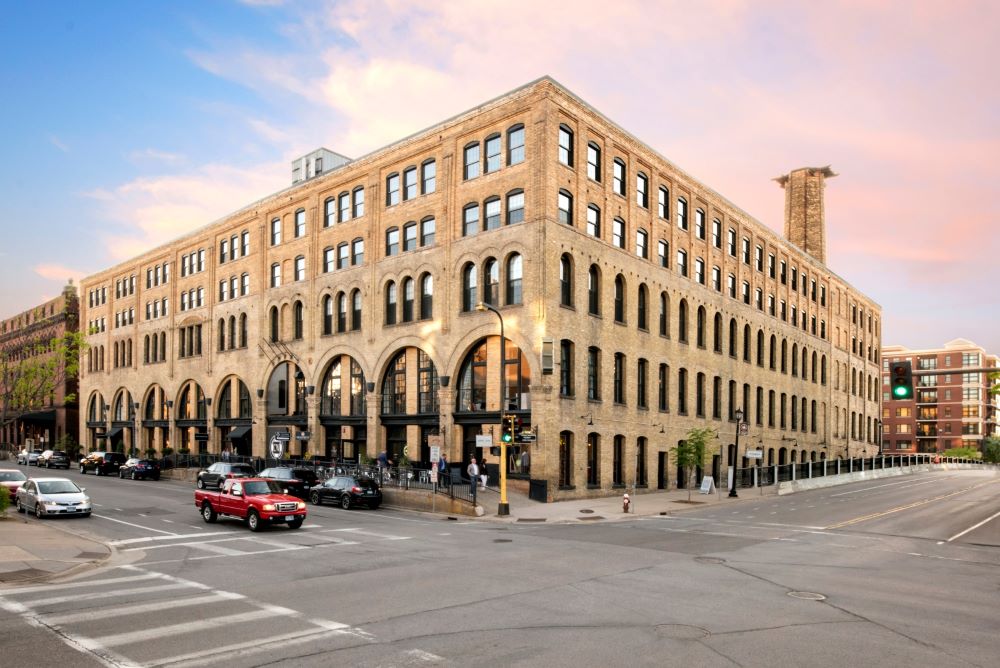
point(28, 457)
point(52, 496)
point(53, 459)
point(102, 463)
point(12, 479)
point(256, 501)
point(347, 491)
point(140, 469)
point(293, 480)
point(219, 472)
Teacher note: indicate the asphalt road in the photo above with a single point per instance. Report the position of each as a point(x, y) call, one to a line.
point(905, 570)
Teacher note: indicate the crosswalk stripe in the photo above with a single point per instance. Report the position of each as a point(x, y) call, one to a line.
point(90, 615)
point(176, 536)
point(108, 594)
point(374, 534)
point(240, 649)
point(218, 549)
point(186, 627)
point(85, 583)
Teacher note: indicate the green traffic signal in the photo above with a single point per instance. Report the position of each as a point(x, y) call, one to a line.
point(901, 374)
point(506, 437)
point(900, 392)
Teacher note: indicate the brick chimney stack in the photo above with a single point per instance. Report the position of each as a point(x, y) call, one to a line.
point(805, 222)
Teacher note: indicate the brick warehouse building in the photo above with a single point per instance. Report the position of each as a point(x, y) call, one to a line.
point(20, 337)
point(951, 408)
point(637, 303)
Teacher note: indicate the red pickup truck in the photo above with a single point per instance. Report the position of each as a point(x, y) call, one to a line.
point(253, 500)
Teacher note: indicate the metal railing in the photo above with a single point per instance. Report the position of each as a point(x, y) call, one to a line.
point(765, 476)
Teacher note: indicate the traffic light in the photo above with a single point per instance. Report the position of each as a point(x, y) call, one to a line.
point(901, 380)
point(507, 430)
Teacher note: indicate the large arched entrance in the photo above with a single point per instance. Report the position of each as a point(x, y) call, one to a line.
point(478, 398)
point(234, 417)
point(156, 421)
point(122, 431)
point(97, 414)
point(343, 410)
point(286, 407)
point(192, 418)
point(409, 410)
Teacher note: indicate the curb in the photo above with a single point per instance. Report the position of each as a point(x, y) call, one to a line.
point(70, 572)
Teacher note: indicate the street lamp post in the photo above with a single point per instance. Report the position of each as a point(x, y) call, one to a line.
point(504, 508)
point(739, 424)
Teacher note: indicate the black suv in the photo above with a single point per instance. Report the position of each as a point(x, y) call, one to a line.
point(347, 491)
point(217, 473)
point(102, 463)
point(294, 481)
point(53, 459)
point(140, 469)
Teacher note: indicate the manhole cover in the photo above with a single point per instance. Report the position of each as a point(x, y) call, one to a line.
point(586, 510)
point(709, 560)
point(503, 540)
point(807, 595)
point(681, 631)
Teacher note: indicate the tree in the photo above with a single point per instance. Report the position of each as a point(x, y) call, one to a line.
point(991, 450)
point(690, 453)
point(963, 453)
point(31, 377)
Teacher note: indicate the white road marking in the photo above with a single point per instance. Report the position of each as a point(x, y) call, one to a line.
point(138, 526)
point(130, 637)
point(86, 583)
point(364, 532)
point(107, 594)
point(421, 655)
point(973, 527)
point(171, 536)
point(242, 648)
point(217, 549)
point(169, 521)
point(912, 483)
point(156, 606)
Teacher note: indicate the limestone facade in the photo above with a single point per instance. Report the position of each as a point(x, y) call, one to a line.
point(630, 317)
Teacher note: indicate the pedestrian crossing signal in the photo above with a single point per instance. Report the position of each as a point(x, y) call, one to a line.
point(901, 379)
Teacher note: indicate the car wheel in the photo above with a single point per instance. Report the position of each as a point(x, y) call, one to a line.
point(39, 513)
point(208, 513)
point(345, 501)
point(17, 504)
point(375, 506)
point(315, 498)
point(134, 477)
point(296, 523)
point(121, 474)
point(201, 484)
point(253, 521)
point(156, 477)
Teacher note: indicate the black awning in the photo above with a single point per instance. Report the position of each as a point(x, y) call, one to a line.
point(239, 432)
point(114, 433)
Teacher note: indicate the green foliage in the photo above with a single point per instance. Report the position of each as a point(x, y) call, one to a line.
point(4, 500)
point(68, 444)
point(167, 451)
point(404, 461)
point(30, 381)
point(364, 459)
point(690, 453)
point(150, 453)
point(991, 450)
point(966, 453)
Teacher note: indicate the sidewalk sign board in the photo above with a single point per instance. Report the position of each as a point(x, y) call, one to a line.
point(707, 485)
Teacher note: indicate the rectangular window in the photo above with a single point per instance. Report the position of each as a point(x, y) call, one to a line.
point(515, 146)
point(731, 242)
point(717, 279)
point(359, 202)
point(618, 177)
point(699, 224)
point(759, 258)
point(641, 190)
point(746, 250)
point(682, 213)
point(663, 252)
point(717, 233)
point(223, 252)
point(428, 177)
point(492, 154)
point(663, 202)
point(275, 231)
point(470, 220)
point(618, 232)
point(564, 201)
point(427, 228)
point(328, 260)
point(343, 256)
point(471, 154)
point(593, 162)
point(392, 190)
point(410, 237)
point(699, 270)
point(515, 208)
point(492, 212)
point(392, 242)
point(565, 146)
point(410, 183)
point(594, 374)
point(357, 252)
point(682, 267)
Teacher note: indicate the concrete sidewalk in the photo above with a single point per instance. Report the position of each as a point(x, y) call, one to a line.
point(665, 502)
point(33, 550)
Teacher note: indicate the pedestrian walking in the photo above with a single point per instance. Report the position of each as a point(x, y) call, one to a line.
point(442, 467)
point(473, 470)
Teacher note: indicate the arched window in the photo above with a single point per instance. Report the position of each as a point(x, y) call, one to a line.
point(594, 290)
point(682, 321)
point(795, 359)
point(732, 337)
point(514, 277)
point(664, 314)
point(243, 330)
point(700, 327)
point(515, 207)
point(491, 214)
point(356, 310)
point(620, 298)
point(760, 347)
point(341, 312)
point(328, 315)
point(394, 386)
point(470, 219)
point(594, 221)
point(221, 334)
point(145, 350)
point(642, 308)
point(426, 297)
point(784, 356)
point(390, 303)
point(515, 144)
point(299, 317)
point(593, 460)
point(469, 287)
point(491, 282)
point(682, 376)
point(300, 268)
point(746, 343)
point(566, 280)
point(232, 331)
point(717, 333)
point(564, 202)
point(408, 297)
point(773, 350)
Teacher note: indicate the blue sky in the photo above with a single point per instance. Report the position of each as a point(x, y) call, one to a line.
point(127, 124)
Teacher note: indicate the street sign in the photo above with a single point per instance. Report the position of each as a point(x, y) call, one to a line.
point(755, 454)
point(283, 436)
point(434, 475)
point(435, 454)
point(303, 435)
point(201, 437)
point(484, 441)
point(744, 428)
point(276, 447)
point(526, 437)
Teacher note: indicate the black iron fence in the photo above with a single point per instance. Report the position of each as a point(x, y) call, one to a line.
point(764, 476)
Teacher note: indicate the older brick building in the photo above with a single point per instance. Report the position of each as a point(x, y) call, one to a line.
point(951, 406)
point(22, 338)
point(637, 303)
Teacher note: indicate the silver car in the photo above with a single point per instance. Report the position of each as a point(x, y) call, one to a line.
point(28, 457)
point(48, 497)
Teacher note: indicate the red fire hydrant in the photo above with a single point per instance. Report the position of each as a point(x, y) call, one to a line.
point(625, 503)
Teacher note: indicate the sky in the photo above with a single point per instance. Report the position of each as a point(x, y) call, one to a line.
point(126, 124)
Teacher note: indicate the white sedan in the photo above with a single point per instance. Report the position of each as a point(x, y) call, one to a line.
point(48, 497)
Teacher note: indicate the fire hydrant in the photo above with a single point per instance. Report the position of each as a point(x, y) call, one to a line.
point(625, 503)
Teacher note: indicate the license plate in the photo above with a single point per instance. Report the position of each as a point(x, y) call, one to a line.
point(289, 518)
